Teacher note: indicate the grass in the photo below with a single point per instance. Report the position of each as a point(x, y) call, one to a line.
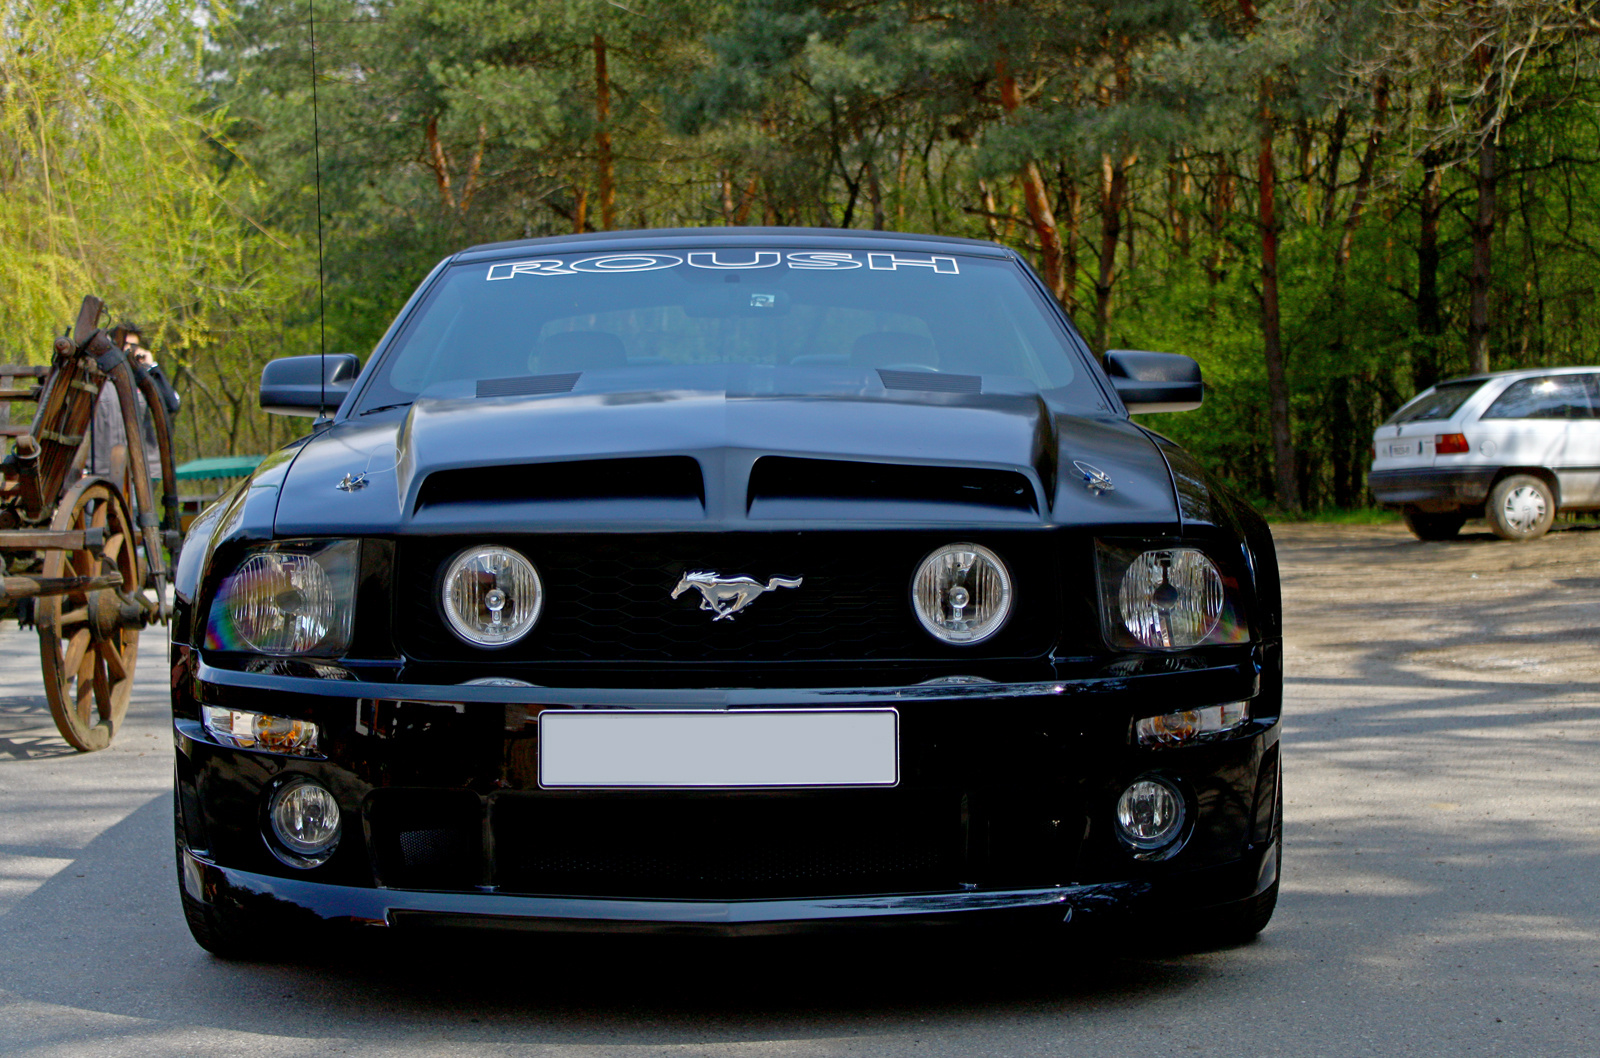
point(1341, 516)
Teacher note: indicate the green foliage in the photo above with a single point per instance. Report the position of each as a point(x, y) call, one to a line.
point(110, 184)
point(442, 123)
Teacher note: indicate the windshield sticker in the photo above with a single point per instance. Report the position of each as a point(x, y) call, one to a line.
point(724, 260)
point(763, 259)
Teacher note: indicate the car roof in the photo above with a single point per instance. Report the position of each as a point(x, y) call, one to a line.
point(1521, 372)
point(688, 238)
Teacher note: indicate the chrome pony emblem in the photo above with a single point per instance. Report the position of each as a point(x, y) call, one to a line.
point(1095, 480)
point(726, 596)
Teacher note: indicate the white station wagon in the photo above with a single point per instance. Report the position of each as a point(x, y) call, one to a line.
point(1514, 447)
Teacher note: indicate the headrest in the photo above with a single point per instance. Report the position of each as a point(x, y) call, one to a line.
point(577, 351)
point(883, 348)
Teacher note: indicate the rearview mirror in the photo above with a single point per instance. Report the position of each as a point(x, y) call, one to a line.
point(1150, 382)
point(308, 385)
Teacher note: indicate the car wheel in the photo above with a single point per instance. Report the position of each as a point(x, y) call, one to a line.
point(221, 933)
point(1426, 526)
point(1521, 507)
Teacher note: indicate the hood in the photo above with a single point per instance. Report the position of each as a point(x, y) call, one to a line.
point(717, 459)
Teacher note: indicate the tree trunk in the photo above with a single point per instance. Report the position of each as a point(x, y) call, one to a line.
point(1113, 191)
point(1425, 369)
point(1034, 195)
point(1369, 158)
point(438, 162)
point(602, 136)
point(1330, 181)
point(1072, 198)
point(1482, 250)
point(1285, 473)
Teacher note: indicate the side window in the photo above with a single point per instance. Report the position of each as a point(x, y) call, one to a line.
point(1551, 397)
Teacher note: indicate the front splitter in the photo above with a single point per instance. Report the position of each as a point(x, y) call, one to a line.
point(274, 897)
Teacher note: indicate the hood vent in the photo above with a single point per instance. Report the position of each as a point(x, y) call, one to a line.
point(930, 381)
point(527, 385)
point(787, 487)
point(653, 486)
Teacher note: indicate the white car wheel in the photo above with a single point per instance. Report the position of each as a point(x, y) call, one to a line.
point(1521, 507)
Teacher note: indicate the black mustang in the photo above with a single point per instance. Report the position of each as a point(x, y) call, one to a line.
point(737, 580)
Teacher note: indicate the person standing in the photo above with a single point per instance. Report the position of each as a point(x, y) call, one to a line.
point(106, 429)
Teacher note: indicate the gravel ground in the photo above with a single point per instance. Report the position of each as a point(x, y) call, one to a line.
point(1442, 740)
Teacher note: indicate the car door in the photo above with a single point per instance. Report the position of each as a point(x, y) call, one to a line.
point(1580, 459)
point(1548, 421)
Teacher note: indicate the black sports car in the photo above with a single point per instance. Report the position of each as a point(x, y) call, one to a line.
point(735, 580)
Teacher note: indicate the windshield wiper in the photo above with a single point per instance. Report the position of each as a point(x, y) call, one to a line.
point(386, 407)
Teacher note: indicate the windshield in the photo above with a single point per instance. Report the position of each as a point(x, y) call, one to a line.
point(1440, 402)
point(809, 320)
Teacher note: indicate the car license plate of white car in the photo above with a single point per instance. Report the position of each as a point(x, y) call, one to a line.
point(741, 748)
point(1399, 450)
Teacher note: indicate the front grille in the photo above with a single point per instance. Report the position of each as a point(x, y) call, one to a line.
point(608, 598)
point(721, 847)
point(427, 839)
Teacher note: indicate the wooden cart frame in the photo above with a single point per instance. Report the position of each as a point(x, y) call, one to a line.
point(96, 553)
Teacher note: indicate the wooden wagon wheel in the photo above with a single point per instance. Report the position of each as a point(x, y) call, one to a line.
point(89, 641)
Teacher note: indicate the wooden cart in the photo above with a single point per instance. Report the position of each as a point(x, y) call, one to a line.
point(87, 554)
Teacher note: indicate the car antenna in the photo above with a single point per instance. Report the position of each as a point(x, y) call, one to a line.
point(322, 298)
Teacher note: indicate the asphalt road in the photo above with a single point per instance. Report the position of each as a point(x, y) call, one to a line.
point(1440, 881)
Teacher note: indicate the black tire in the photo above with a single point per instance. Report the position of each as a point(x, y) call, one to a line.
point(1521, 507)
point(221, 933)
point(1425, 526)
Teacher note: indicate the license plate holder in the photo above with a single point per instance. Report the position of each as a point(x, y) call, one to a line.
point(727, 749)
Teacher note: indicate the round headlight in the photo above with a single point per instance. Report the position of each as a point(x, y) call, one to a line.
point(962, 593)
point(1171, 598)
point(1150, 814)
point(492, 596)
point(305, 819)
point(281, 602)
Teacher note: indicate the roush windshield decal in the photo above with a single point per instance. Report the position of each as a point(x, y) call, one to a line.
point(726, 259)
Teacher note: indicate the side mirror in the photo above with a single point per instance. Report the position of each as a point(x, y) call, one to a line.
point(308, 385)
point(1149, 382)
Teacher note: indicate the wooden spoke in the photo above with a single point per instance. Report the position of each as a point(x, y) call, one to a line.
point(77, 647)
point(113, 661)
point(88, 655)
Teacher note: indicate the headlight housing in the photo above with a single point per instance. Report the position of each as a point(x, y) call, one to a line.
point(293, 597)
point(247, 730)
point(1166, 598)
point(962, 593)
point(491, 596)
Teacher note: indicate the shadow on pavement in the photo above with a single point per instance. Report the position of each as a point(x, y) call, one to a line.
point(27, 731)
point(106, 935)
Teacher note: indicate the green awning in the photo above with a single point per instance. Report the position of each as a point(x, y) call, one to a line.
point(217, 467)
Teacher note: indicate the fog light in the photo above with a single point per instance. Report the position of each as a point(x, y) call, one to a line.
point(1150, 814)
point(1190, 725)
point(304, 818)
point(275, 734)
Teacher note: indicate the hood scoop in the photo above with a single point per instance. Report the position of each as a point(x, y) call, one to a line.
point(789, 487)
point(600, 488)
point(528, 385)
point(930, 381)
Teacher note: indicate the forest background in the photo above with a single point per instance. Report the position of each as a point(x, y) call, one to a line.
point(1329, 203)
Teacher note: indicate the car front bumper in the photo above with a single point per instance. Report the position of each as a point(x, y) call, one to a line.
point(1004, 810)
point(274, 901)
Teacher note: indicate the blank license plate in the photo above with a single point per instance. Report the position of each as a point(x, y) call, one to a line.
point(612, 748)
